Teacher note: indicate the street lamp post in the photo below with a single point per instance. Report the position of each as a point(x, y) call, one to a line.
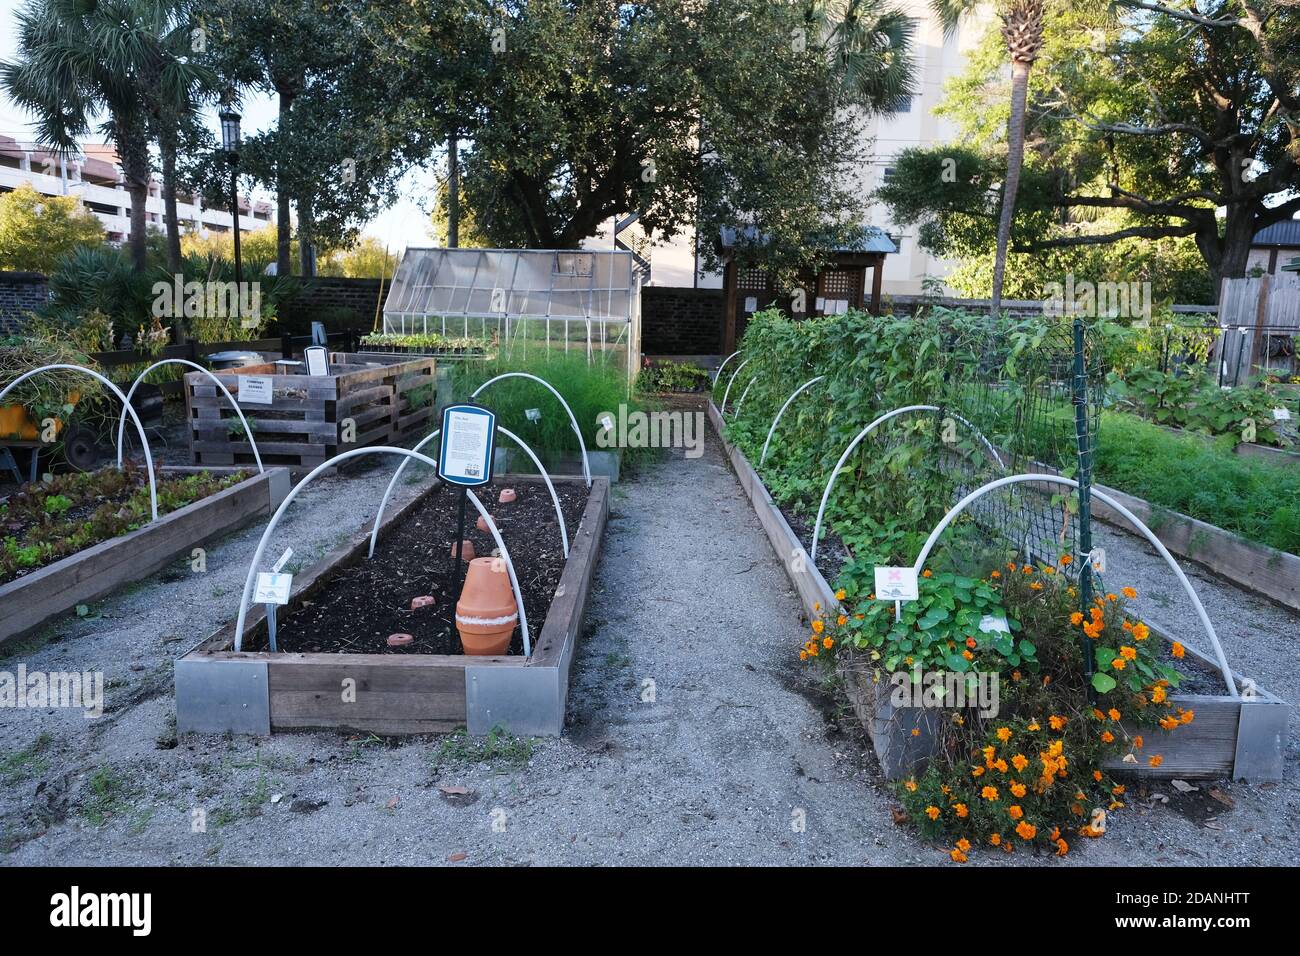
point(230, 142)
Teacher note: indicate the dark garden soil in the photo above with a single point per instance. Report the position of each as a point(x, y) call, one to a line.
point(361, 605)
point(832, 555)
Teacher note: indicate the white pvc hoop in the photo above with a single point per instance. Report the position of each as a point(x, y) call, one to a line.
point(770, 431)
point(1132, 518)
point(333, 462)
point(740, 402)
point(383, 502)
point(835, 472)
point(126, 405)
point(586, 465)
point(731, 381)
point(121, 424)
point(718, 374)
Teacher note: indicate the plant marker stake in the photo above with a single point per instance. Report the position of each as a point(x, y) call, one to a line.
point(1080, 398)
point(139, 427)
point(270, 627)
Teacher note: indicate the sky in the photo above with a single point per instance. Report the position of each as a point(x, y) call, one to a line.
point(403, 224)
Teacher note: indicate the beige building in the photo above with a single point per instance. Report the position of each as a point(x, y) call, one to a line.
point(938, 58)
point(96, 179)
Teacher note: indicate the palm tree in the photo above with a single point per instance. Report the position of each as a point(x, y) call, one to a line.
point(122, 60)
point(1022, 29)
point(869, 46)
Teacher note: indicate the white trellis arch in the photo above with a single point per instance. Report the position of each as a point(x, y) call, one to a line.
point(333, 462)
point(121, 423)
point(740, 402)
point(126, 407)
point(383, 502)
point(718, 374)
point(731, 381)
point(835, 472)
point(770, 431)
point(586, 465)
point(1128, 515)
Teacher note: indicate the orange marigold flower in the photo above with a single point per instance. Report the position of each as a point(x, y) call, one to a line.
point(1118, 663)
point(910, 785)
point(1117, 789)
point(1028, 569)
point(1062, 848)
point(963, 844)
point(1155, 760)
point(840, 595)
point(1033, 725)
point(989, 793)
point(1098, 714)
point(818, 626)
point(1137, 742)
point(1128, 593)
point(1096, 775)
point(1003, 734)
point(1111, 597)
point(977, 772)
point(1107, 737)
point(961, 810)
point(841, 620)
point(1186, 716)
point(1093, 630)
point(1015, 812)
point(1026, 830)
point(1000, 765)
point(1019, 762)
point(995, 575)
point(1178, 650)
point(1128, 653)
point(828, 643)
point(1066, 559)
point(1157, 694)
point(1141, 632)
point(995, 839)
point(1127, 625)
point(1076, 618)
point(958, 856)
point(1011, 565)
point(1049, 570)
point(1019, 789)
point(971, 642)
point(932, 812)
point(927, 573)
point(1036, 586)
point(812, 649)
point(1056, 722)
point(916, 731)
point(968, 655)
point(803, 655)
point(1113, 714)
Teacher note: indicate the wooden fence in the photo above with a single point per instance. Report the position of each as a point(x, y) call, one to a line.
point(1260, 319)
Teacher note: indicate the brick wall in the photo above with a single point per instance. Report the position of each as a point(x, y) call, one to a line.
point(20, 293)
point(342, 304)
point(681, 321)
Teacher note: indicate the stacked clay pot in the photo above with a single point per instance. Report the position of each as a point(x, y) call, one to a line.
point(486, 613)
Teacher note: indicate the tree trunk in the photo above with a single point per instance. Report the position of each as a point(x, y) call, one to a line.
point(167, 146)
point(1015, 159)
point(133, 150)
point(453, 192)
point(283, 256)
point(139, 248)
point(306, 247)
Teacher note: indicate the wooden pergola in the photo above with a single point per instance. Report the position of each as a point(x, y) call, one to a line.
point(838, 287)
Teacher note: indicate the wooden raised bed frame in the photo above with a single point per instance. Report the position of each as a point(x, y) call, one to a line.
point(220, 690)
point(1241, 738)
point(301, 428)
point(31, 600)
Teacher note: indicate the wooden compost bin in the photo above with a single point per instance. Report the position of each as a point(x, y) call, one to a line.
point(387, 399)
point(33, 599)
point(1238, 737)
point(220, 690)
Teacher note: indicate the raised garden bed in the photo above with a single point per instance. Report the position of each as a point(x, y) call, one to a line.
point(342, 609)
point(1244, 738)
point(386, 400)
point(32, 599)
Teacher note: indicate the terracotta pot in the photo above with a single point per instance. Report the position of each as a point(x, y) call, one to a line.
point(466, 550)
point(507, 496)
point(399, 640)
point(486, 613)
point(482, 524)
point(424, 600)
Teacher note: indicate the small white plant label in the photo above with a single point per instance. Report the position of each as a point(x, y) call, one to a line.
point(751, 303)
point(534, 415)
point(1281, 414)
point(989, 624)
point(1099, 560)
point(284, 559)
point(896, 584)
point(255, 389)
point(272, 588)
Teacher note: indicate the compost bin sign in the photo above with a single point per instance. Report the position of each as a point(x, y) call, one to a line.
point(468, 436)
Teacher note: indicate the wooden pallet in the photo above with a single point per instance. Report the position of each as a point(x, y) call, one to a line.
point(379, 401)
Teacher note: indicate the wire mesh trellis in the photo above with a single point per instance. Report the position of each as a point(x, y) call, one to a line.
point(1042, 410)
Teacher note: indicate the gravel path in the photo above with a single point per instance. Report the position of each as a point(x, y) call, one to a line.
point(694, 735)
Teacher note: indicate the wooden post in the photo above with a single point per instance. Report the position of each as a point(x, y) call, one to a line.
point(730, 281)
point(1261, 320)
point(875, 284)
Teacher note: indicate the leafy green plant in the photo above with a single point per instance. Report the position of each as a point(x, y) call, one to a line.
point(671, 377)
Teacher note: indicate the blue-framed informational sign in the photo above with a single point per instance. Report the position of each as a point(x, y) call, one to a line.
point(468, 439)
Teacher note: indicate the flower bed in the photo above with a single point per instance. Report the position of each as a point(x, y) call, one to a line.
point(79, 537)
point(1083, 693)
